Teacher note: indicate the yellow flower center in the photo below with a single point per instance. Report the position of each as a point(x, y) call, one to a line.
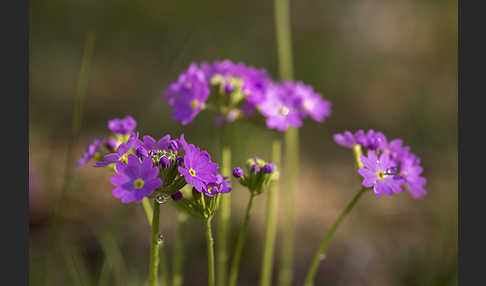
point(124, 158)
point(192, 172)
point(380, 174)
point(283, 111)
point(194, 104)
point(138, 183)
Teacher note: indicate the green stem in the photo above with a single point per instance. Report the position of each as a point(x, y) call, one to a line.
point(210, 246)
point(320, 255)
point(271, 222)
point(223, 223)
point(147, 209)
point(178, 278)
point(154, 253)
point(284, 48)
point(164, 275)
point(288, 235)
point(240, 243)
point(284, 38)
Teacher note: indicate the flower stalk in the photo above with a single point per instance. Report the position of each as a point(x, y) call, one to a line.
point(224, 216)
point(154, 251)
point(240, 243)
point(178, 278)
point(210, 247)
point(271, 220)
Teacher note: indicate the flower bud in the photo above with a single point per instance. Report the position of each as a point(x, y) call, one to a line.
point(254, 168)
point(174, 145)
point(180, 160)
point(164, 162)
point(111, 144)
point(228, 88)
point(141, 152)
point(237, 172)
point(177, 196)
point(268, 168)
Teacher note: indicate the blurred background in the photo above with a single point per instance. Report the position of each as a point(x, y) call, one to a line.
point(385, 65)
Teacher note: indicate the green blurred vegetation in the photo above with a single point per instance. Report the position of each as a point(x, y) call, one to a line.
point(386, 65)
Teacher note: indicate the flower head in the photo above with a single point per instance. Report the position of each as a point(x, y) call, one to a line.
point(122, 126)
point(135, 180)
point(90, 152)
point(379, 173)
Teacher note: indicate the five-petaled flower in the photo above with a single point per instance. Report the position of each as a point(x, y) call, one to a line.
point(135, 180)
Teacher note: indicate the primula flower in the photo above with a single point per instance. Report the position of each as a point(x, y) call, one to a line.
point(346, 139)
point(410, 171)
point(370, 140)
point(135, 180)
point(379, 174)
point(188, 94)
point(198, 169)
point(220, 186)
point(396, 149)
point(310, 102)
point(122, 126)
point(121, 152)
point(90, 152)
point(280, 109)
point(396, 168)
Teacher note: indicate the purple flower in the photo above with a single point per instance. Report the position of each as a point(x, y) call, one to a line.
point(122, 126)
point(90, 152)
point(378, 173)
point(410, 171)
point(370, 140)
point(310, 102)
point(220, 186)
point(135, 180)
point(346, 139)
point(111, 144)
point(237, 172)
point(396, 149)
point(120, 153)
point(255, 81)
point(268, 168)
point(198, 169)
point(188, 94)
point(280, 109)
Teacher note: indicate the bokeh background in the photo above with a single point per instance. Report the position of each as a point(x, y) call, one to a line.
point(386, 65)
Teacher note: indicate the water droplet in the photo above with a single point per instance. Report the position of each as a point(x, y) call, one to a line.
point(160, 239)
point(322, 257)
point(162, 198)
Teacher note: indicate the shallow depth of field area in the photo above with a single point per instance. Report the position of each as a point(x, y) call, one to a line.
point(390, 66)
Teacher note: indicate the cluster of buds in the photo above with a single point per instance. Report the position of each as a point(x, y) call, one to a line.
point(259, 175)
